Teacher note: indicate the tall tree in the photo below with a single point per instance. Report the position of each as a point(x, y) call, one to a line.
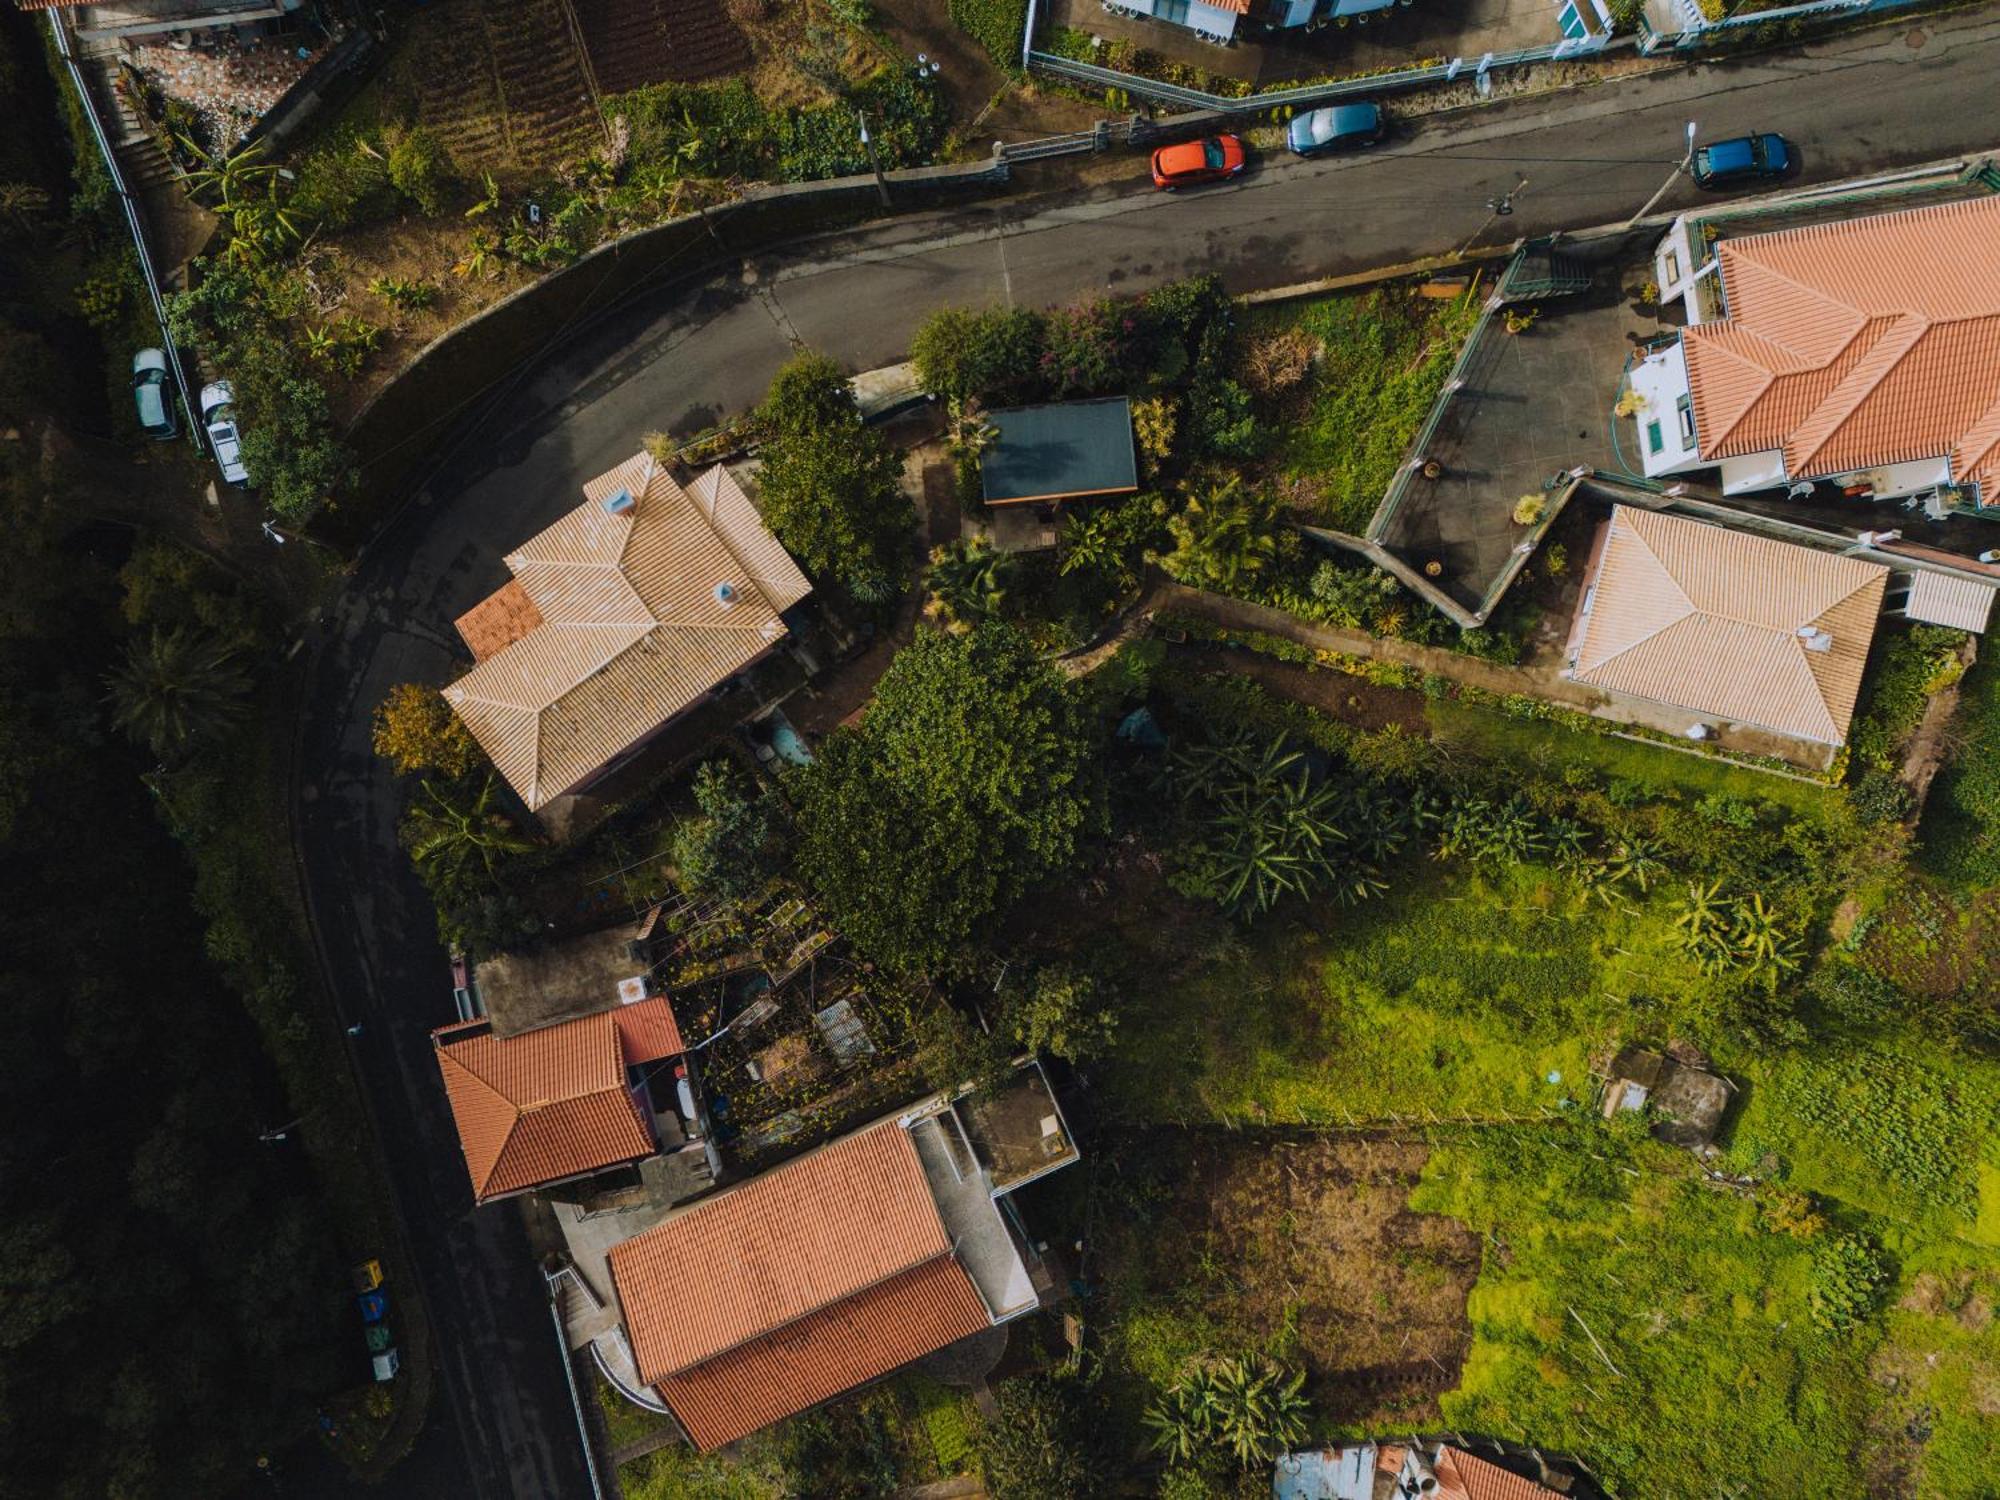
point(178, 690)
point(971, 778)
point(829, 484)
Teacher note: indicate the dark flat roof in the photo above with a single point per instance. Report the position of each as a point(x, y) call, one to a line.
point(1060, 451)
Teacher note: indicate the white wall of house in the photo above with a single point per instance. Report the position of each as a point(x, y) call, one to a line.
point(1666, 412)
point(1210, 20)
point(1674, 265)
point(1891, 481)
point(1753, 471)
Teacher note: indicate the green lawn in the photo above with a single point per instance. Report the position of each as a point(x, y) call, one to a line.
point(1384, 358)
point(1708, 1375)
point(1459, 993)
point(1501, 737)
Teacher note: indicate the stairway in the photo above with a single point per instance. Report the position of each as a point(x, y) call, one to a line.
point(1539, 273)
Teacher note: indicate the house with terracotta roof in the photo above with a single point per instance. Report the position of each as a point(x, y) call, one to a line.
point(1733, 627)
point(839, 1267)
point(1864, 352)
point(561, 1103)
point(1426, 1470)
point(619, 618)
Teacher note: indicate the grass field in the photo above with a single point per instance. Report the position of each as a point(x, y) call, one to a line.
point(1457, 994)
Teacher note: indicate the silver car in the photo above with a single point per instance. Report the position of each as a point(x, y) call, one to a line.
point(153, 394)
point(218, 416)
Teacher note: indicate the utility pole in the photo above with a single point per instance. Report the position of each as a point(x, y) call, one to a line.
point(1685, 164)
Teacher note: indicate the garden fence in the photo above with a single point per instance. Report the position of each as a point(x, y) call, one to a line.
point(1100, 137)
point(59, 30)
point(1314, 94)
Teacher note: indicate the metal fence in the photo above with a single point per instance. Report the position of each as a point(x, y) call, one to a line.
point(59, 29)
point(1313, 94)
point(1101, 137)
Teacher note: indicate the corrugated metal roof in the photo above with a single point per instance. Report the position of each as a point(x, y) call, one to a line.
point(750, 1260)
point(542, 1105)
point(1063, 449)
point(631, 627)
point(1859, 343)
point(835, 1349)
point(1708, 619)
point(1961, 603)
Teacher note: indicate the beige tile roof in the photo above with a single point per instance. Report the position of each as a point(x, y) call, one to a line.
point(1939, 599)
point(776, 1294)
point(1859, 343)
point(1709, 619)
point(541, 1106)
point(632, 630)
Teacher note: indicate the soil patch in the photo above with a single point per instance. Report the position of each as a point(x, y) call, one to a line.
point(1352, 700)
point(1307, 1248)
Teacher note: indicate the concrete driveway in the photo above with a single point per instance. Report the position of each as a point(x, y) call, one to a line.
point(1915, 92)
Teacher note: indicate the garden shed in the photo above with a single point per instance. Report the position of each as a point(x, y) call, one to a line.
point(1066, 450)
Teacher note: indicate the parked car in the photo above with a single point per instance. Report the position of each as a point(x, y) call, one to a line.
point(153, 393)
point(1335, 128)
point(1210, 159)
point(218, 415)
point(1747, 158)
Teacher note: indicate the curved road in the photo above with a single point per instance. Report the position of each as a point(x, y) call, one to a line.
point(1912, 92)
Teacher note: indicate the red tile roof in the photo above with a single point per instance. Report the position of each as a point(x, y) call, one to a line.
point(648, 1031)
point(819, 1356)
point(498, 620)
point(541, 1106)
point(774, 1295)
point(1859, 343)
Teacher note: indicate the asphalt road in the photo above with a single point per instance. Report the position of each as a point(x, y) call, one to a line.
point(1915, 92)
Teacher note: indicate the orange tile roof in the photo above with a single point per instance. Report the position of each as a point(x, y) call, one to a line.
point(632, 630)
point(648, 1031)
point(540, 1106)
point(819, 1356)
point(498, 620)
point(776, 1294)
point(1855, 344)
point(1708, 619)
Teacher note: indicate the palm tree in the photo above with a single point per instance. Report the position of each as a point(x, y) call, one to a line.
point(968, 432)
point(968, 582)
point(1264, 844)
point(1222, 538)
point(1639, 861)
point(178, 690)
point(1705, 923)
point(1248, 1406)
point(22, 205)
point(1091, 542)
point(447, 836)
point(1760, 939)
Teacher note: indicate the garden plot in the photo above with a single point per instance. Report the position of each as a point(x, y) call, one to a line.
point(1303, 1249)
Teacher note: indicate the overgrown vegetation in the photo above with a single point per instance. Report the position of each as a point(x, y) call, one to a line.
point(997, 25)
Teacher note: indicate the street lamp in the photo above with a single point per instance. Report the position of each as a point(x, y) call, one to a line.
point(1685, 164)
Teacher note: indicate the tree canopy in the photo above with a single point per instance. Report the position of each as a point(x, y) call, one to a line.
point(829, 484)
point(971, 779)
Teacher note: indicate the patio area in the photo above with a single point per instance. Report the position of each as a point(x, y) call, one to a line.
point(1530, 406)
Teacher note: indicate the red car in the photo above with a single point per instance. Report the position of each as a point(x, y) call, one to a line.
point(1208, 160)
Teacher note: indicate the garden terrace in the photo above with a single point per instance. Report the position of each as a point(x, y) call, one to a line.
point(1521, 409)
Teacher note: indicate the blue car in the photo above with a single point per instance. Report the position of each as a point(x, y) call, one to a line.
point(1748, 158)
point(1335, 128)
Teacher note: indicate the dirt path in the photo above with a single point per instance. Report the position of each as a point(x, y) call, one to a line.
point(986, 104)
point(1926, 751)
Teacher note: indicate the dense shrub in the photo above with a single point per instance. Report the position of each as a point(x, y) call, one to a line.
point(996, 25)
point(1909, 666)
point(1961, 827)
point(341, 184)
point(419, 169)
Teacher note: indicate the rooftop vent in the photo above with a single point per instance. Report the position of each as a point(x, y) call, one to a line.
point(725, 594)
point(618, 502)
point(1815, 639)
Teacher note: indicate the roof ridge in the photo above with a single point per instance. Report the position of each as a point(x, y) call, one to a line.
point(1720, 348)
point(721, 534)
point(950, 1252)
point(1907, 329)
point(1816, 293)
point(1667, 573)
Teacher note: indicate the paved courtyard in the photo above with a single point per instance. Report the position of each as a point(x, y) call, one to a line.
point(1533, 405)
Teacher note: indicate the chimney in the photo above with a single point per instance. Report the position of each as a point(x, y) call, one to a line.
point(618, 503)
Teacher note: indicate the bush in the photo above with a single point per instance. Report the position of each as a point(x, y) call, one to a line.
point(1044, 1444)
point(994, 355)
point(341, 184)
point(1961, 826)
point(1910, 665)
point(415, 730)
point(1847, 1280)
point(997, 25)
point(419, 169)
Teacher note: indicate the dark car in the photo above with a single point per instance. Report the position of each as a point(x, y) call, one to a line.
point(1747, 158)
point(1208, 160)
point(1335, 128)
